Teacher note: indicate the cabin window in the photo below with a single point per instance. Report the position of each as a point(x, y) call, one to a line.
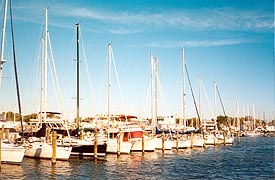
point(112, 135)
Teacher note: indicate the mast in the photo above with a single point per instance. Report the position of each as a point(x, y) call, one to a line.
point(16, 76)
point(200, 113)
point(254, 118)
point(238, 116)
point(44, 70)
point(153, 124)
point(184, 93)
point(2, 61)
point(156, 90)
point(215, 106)
point(109, 81)
point(189, 81)
point(77, 75)
point(41, 80)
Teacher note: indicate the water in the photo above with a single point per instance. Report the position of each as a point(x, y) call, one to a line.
point(252, 159)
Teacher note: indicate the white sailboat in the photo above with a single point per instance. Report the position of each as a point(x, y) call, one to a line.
point(115, 142)
point(160, 141)
point(10, 153)
point(38, 147)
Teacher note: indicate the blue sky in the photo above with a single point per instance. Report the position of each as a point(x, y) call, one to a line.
point(229, 42)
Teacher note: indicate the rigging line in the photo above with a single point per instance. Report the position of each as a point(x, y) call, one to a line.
point(162, 96)
point(121, 96)
point(192, 92)
point(146, 98)
point(15, 71)
point(56, 78)
point(87, 70)
point(220, 100)
point(36, 65)
point(211, 109)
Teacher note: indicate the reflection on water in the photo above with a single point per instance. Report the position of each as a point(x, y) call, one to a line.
point(12, 171)
point(252, 159)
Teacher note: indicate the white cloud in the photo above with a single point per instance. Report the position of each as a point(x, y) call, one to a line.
point(194, 43)
point(127, 22)
point(197, 19)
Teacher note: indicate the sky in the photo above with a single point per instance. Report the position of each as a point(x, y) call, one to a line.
point(230, 42)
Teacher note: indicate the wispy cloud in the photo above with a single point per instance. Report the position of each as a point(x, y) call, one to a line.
point(198, 20)
point(128, 22)
point(192, 43)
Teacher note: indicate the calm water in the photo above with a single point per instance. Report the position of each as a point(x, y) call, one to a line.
point(252, 159)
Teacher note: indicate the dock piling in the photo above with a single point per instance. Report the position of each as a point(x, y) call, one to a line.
point(95, 144)
point(192, 139)
point(163, 141)
point(54, 147)
point(118, 144)
point(224, 138)
point(177, 140)
point(143, 143)
point(238, 137)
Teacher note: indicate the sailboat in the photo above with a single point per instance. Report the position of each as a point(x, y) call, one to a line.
point(86, 146)
point(160, 141)
point(10, 153)
point(116, 143)
point(37, 147)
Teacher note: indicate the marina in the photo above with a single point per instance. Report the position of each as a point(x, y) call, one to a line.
point(252, 159)
point(143, 111)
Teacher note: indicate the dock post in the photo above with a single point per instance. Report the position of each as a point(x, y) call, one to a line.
point(192, 139)
point(48, 135)
point(232, 136)
point(215, 139)
point(118, 144)
point(95, 144)
point(143, 143)
point(177, 140)
point(238, 137)
point(2, 132)
point(163, 139)
point(224, 138)
point(1, 137)
point(54, 147)
point(7, 134)
point(81, 135)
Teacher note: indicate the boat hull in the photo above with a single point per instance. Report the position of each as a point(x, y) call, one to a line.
point(149, 145)
point(44, 151)
point(12, 154)
point(112, 147)
point(88, 150)
point(167, 144)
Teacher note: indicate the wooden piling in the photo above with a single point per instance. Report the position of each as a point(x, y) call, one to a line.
point(192, 139)
point(232, 136)
point(163, 139)
point(48, 135)
point(7, 134)
point(95, 144)
point(142, 143)
point(118, 144)
point(2, 132)
point(81, 135)
point(1, 137)
point(224, 138)
point(238, 137)
point(54, 147)
point(215, 139)
point(177, 140)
